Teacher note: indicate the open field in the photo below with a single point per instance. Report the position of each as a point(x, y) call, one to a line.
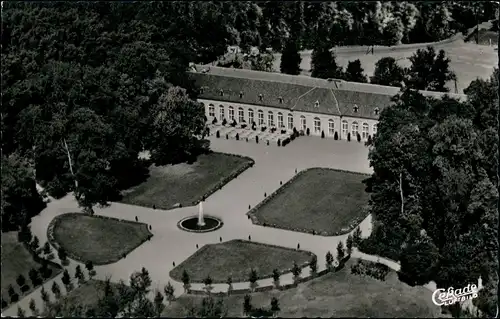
point(468, 60)
point(236, 258)
point(102, 241)
point(320, 199)
point(340, 294)
point(17, 260)
point(183, 183)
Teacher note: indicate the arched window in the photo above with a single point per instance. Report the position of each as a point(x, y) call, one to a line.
point(331, 127)
point(241, 115)
point(374, 129)
point(317, 125)
point(280, 120)
point(303, 123)
point(231, 113)
point(270, 119)
point(354, 131)
point(211, 110)
point(345, 128)
point(261, 117)
point(250, 116)
point(365, 131)
point(290, 121)
point(221, 112)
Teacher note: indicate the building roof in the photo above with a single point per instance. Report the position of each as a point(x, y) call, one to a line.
point(297, 93)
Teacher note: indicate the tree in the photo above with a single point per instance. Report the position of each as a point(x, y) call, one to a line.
point(290, 58)
point(247, 304)
point(419, 261)
point(56, 290)
point(46, 248)
point(159, 306)
point(349, 244)
point(20, 312)
point(354, 72)
point(45, 296)
point(210, 308)
point(169, 292)
point(324, 64)
point(35, 244)
point(78, 273)
point(177, 123)
point(185, 280)
point(252, 278)
point(276, 277)
point(388, 72)
point(21, 281)
point(296, 271)
point(32, 307)
point(340, 252)
point(314, 265)
point(208, 284)
point(61, 253)
point(329, 260)
point(140, 282)
point(356, 236)
point(66, 279)
point(429, 71)
point(229, 283)
point(34, 277)
point(275, 308)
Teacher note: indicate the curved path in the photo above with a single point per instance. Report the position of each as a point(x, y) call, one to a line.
point(169, 244)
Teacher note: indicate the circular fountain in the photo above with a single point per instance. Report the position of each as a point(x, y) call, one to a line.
point(200, 223)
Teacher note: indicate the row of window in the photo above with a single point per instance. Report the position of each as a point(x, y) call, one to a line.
point(303, 121)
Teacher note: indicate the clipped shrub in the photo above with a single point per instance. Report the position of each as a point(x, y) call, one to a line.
point(263, 129)
point(224, 121)
point(217, 134)
point(308, 131)
point(301, 133)
point(279, 143)
point(243, 126)
point(227, 136)
point(214, 121)
point(237, 136)
point(358, 137)
point(349, 137)
point(257, 139)
point(336, 136)
point(267, 142)
point(234, 123)
point(322, 134)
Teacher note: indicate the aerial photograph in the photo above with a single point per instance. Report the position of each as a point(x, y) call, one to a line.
point(250, 159)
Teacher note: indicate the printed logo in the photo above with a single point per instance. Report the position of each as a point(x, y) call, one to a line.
point(441, 297)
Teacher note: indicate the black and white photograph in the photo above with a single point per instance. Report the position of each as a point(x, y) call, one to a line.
point(250, 159)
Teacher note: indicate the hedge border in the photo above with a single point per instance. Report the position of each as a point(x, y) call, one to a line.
point(259, 277)
point(220, 127)
point(56, 220)
point(202, 231)
point(250, 163)
point(272, 286)
point(38, 260)
point(256, 221)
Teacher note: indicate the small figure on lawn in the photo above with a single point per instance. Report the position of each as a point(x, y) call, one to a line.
point(173, 263)
point(136, 219)
point(298, 246)
point(249, 238)
point(220, 239)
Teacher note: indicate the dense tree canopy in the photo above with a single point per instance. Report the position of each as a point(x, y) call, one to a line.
point(324, 65)
point(434, 193)
point(354, 72)
point(388, 72)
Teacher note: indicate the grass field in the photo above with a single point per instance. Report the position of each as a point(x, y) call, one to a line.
point(183, 183)
point(468, 60)
point(320, 199)
point(17, 260)
point(99, 240)
point(235, 258)
point(334, 295)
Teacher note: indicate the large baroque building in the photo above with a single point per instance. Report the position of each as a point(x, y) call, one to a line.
point(287, 102)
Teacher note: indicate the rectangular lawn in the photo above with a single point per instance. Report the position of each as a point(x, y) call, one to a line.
point(321, 200)
point(334, 295)
point(17, 260)
point(184, 183)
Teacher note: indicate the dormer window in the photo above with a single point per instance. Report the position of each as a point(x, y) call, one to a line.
point(241, 94)
point(356, 108)
point(260, 97)
point(281, 100)
point(221, 92)
point(376, 111)
point(316, 104)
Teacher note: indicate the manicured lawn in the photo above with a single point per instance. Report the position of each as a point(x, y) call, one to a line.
point(102, 241)
point(320, 200)
point(340, 294)
point(184, 183)
point(17, 260)
point(236, 258)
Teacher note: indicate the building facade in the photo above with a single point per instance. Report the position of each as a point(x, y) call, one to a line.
point(284, 102)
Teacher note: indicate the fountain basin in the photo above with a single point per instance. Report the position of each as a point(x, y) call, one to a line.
point(190, 224)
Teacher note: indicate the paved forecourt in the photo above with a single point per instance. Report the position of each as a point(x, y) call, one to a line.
point(170, 246)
